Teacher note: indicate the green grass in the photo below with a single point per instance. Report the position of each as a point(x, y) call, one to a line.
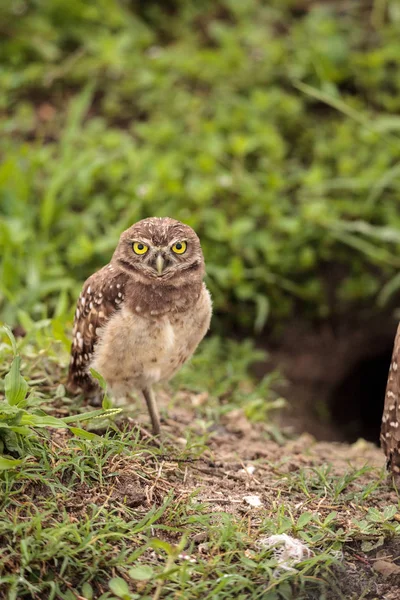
point(271, 128)
point(118, 516)
point(90, 539)
point(77, 531)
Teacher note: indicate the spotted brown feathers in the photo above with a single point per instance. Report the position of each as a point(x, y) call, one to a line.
point(102, 294)
point(390, 430)
point(142, 316)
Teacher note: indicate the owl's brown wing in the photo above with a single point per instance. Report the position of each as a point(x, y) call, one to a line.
point(101, 296)
point(390, 430)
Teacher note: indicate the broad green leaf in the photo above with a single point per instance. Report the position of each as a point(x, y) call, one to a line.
point(42, 421)
point(87, 591)
point(141, 573)
point(161, 545)
point(11, 337)
point(106, 403)
point(304, 518)
point(331, 517)
point(17, 429)
point(99, 378)
point(374, 515)
point(82, 433)
point(9, 463)
point(119, 587)
point(368, 545)
point(15, 385)
point(389, 512)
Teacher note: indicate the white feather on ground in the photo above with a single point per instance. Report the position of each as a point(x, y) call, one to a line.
point(287, 550)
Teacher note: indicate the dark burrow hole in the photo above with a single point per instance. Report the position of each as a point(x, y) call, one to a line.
point(356, 403)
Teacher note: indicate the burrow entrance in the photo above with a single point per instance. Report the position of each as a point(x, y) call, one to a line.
point(356, 403)
point(336, 378)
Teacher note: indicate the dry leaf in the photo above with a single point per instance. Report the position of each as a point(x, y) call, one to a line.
point(386, 568)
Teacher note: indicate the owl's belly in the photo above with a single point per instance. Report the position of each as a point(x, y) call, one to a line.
point(134, 352)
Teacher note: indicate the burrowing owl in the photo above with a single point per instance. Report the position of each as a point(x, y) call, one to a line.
point(390, 430)
point(141, 316)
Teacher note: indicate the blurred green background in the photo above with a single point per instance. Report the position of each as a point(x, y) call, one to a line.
point(272, 128)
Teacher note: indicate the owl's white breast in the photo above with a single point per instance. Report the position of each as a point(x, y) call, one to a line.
point(168, 333)
point(134, 351)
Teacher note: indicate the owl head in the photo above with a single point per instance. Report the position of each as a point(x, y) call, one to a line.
point(160, 250)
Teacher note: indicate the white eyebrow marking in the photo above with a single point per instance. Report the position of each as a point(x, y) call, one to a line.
point(177, 240)
point(142, 240)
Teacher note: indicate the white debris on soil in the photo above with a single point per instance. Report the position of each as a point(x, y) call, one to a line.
point(287, 550)
point(248, 469)
point(253, 501)
point(184, 556)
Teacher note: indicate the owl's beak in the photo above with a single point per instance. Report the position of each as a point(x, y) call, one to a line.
point(160, 264)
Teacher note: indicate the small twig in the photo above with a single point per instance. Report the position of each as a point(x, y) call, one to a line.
point(155, 481)
point(250, 476)
point(221, 500)
point(362, 559)
point(148, 435)
point(388, 556)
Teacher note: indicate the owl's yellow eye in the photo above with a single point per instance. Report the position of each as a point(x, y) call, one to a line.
point(179, 247)
point(139, 248)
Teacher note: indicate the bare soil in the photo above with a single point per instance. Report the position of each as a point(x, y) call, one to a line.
point(224, 480)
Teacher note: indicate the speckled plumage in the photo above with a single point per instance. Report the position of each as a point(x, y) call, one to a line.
point(390, 430)
point(137, 323)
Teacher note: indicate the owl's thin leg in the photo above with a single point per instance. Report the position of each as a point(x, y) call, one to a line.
point(153, 409)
